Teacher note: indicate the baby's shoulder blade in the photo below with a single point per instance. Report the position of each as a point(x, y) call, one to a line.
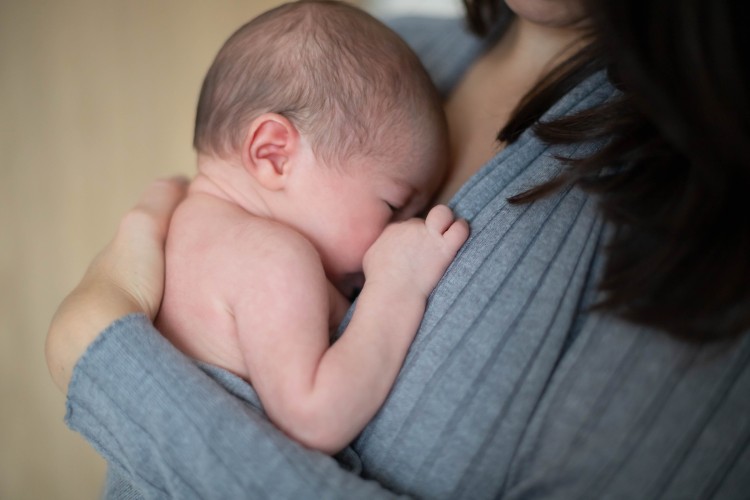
point(241, 253)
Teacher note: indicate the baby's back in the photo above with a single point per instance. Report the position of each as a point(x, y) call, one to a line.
point(201, 278)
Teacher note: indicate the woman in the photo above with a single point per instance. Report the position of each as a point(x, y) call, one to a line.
point(590, 339)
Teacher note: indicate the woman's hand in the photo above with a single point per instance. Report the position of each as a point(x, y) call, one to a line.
point(126, 277)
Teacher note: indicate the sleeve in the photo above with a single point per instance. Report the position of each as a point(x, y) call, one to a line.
point(173, 431)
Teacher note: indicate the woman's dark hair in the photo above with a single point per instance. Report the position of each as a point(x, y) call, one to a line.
point(675, 167)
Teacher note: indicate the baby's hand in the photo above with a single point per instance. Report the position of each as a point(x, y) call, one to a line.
point(415, 253)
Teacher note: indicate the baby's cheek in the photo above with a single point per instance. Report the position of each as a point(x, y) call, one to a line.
point(341, 259)
point(355, 257)
point(349, 250)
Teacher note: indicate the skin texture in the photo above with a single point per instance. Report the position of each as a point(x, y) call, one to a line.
point(249, 256)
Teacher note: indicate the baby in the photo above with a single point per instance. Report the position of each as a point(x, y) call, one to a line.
point(317, 129)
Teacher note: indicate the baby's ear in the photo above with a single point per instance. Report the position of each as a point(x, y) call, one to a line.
point(270, 145)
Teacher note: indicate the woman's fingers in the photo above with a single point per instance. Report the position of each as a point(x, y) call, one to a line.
point(152, 212)
point(134, 261)
point(126, 276)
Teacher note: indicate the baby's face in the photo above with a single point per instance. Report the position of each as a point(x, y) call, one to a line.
point(348, 208)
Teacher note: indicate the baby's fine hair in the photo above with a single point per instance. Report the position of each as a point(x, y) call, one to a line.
point(344, 79)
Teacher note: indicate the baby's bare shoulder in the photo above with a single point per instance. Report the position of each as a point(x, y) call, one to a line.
point(235, 243)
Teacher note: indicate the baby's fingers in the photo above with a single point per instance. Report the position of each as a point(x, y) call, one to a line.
point(439, 219)
point(457, 234)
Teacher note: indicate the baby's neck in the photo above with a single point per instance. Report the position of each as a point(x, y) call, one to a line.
point(228, 181)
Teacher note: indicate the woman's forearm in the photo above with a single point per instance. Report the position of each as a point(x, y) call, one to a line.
point(174, 431)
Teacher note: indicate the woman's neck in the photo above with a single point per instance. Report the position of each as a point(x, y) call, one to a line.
point(534, 49)
point(482, 103)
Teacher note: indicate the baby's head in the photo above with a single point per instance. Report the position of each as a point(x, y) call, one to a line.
point(350, 87)
point(346, 81)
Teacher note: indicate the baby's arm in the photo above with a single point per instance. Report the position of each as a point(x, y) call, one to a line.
point(324, 396)
point(401, 269)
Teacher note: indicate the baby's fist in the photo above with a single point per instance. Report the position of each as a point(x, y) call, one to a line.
point(415, 253)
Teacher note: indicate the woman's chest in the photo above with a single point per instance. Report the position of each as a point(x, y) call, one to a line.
point(478, 108)
point(491, 337)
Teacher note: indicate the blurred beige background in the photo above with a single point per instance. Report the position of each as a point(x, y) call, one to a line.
point(96, 99)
